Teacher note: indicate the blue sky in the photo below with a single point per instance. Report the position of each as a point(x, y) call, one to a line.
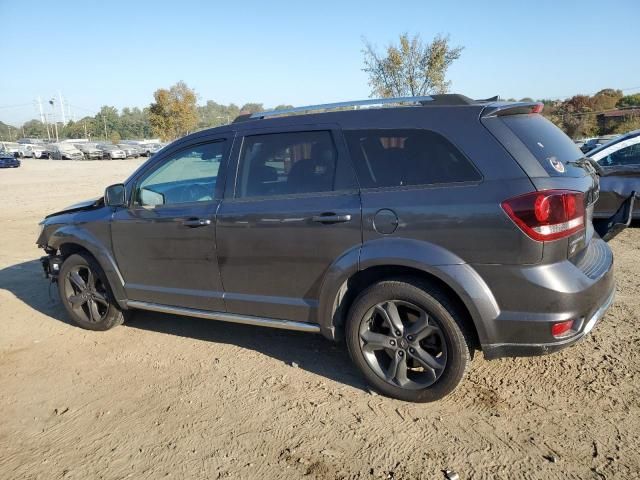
point(118, 52)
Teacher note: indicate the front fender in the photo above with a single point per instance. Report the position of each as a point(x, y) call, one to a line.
point(76, 235)
point(419, 255)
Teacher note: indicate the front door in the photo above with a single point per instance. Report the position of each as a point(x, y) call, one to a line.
point(164, 243)
point(293, 211)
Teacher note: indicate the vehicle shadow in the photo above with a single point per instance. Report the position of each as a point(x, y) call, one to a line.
point(309, 352)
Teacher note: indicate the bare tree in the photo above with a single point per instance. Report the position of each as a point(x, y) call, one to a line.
point(411, 68)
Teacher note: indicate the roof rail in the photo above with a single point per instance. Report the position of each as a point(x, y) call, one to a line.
point(354, 103)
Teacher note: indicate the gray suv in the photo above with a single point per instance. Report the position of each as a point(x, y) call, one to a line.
point(418, 229)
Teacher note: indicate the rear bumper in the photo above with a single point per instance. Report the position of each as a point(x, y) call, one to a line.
point(531, 299)
point(499, 350)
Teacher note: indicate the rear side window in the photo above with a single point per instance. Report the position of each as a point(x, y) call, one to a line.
point(287, 164)
point(545, 141)
point(396, 158)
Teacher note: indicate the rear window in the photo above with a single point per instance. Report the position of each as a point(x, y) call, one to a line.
point(546, 142)
point(396, 158)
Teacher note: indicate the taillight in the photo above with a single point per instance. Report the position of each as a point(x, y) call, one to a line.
point(548, 214)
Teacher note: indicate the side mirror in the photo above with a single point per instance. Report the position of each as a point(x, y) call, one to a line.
point(115, 195)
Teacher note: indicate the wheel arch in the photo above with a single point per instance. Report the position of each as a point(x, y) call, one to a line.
point(71, 239)
point(393, 258)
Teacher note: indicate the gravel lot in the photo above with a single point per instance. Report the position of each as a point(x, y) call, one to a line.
point(191, 398)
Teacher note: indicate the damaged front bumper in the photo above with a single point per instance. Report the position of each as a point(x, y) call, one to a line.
point(51, 265)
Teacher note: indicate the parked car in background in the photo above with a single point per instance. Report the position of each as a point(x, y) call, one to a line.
point(111, 152)
point(8, 160)
point(619, 162)
point(418, 232)
point(89, 150)
point(151, 148)
point(38, 150)
point(30, 141)
point(130, 150)
point(17, 149)
point(592, 143)
point(64, 151)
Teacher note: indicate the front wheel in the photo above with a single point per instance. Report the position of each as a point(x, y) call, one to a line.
point(407, 339)
point(85, 294)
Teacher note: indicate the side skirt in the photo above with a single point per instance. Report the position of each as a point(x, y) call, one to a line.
point(226, 317)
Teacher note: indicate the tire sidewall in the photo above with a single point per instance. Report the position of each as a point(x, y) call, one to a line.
point(436, 306)
point(114, 315)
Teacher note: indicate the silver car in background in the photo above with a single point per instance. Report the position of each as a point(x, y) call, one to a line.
point(64, 151)
point(130, 150)
point(111, 152)
point(90, 151)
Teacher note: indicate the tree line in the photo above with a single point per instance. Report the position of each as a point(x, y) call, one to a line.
point(410, 67)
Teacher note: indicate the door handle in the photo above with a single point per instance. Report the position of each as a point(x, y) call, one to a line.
point(331, 218)
point(196, 222)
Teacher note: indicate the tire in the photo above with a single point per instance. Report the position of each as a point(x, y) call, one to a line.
point(432, 343)
point(93, 307)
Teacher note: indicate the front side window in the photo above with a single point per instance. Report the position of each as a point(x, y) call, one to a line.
point(187, 176)
point(287, 164)
point(396, 158)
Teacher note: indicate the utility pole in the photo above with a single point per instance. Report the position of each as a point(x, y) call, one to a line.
point(40, 108)
point(43, 118)
point(46, 124)
point(55, 123)
point(64, 121)
point(104, 119)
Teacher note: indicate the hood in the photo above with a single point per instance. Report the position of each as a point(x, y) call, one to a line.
point(76, 207)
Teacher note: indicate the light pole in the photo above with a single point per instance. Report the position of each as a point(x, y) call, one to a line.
point(55, 124)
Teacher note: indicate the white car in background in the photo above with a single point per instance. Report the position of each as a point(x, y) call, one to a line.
point(16, 149)
point(38, 150)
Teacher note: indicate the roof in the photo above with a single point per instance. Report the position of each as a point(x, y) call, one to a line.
point(622, 112)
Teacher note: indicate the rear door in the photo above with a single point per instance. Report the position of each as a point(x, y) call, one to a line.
point(290, 211)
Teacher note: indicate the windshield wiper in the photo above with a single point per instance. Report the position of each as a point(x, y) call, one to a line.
point(588, 164)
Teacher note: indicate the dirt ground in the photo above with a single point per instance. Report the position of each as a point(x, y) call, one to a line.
point(189, 398)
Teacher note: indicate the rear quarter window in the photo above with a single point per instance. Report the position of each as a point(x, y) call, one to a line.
point(396, 158)
point(546, 142)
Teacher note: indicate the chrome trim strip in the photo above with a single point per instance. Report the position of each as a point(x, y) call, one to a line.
point(226, 317)
point(353, 103)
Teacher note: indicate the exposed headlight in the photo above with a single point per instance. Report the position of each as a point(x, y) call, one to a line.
point(40, 229)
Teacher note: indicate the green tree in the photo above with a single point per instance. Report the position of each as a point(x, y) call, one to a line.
point(252, 108)
point(108, 121)
point(410, 68)
point(35, 129)
point(629, 101)
point(174, 112)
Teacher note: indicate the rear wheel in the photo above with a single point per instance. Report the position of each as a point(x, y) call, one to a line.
point(407, 339)
point(86, 295)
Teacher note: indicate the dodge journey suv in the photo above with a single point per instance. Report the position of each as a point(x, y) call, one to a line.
point(417, 229)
